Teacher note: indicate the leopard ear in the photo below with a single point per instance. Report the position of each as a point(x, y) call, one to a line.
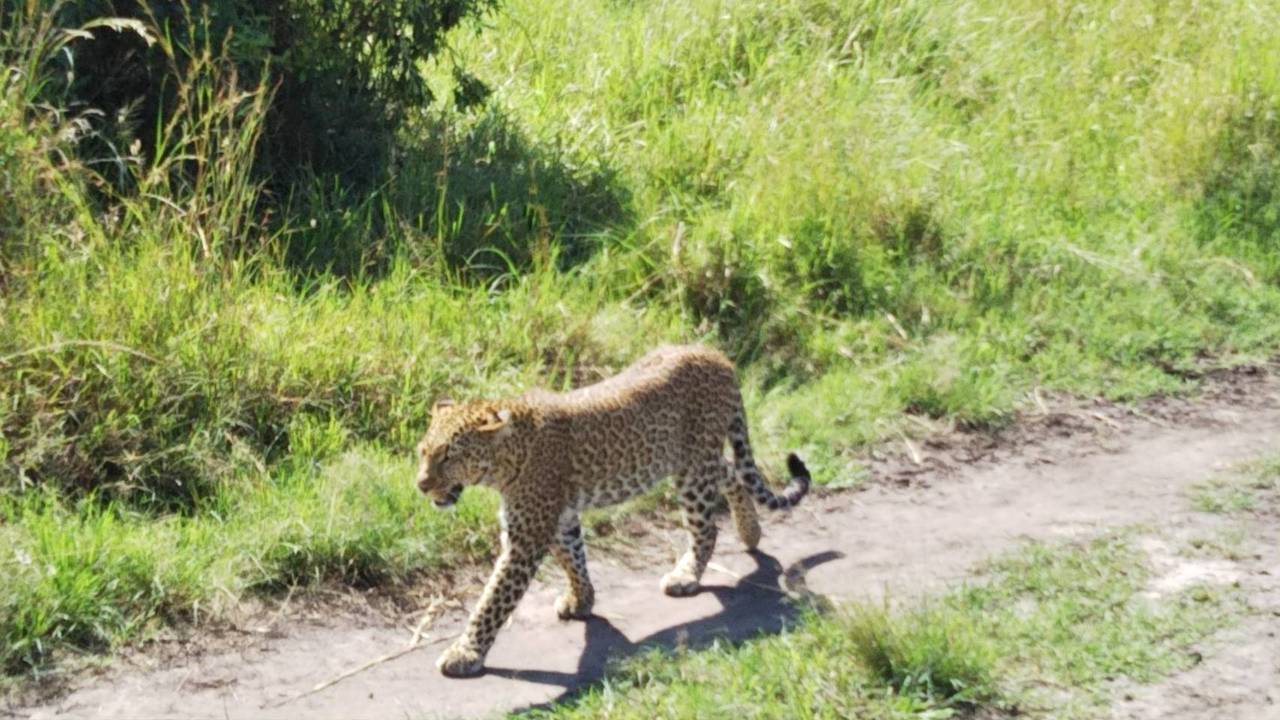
point(499, 421)
point(443, 402)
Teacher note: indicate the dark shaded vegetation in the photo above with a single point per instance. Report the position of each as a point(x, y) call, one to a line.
point(344, 73)
point(1240, 205)
point(505, 203)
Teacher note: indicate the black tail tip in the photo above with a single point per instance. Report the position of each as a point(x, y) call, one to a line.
point(796, 466)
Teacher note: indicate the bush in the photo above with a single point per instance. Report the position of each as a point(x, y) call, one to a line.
point(344, 72)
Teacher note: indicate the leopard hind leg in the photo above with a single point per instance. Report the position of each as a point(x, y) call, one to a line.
point(571, 554)
point(746, 522)
point(697, 490)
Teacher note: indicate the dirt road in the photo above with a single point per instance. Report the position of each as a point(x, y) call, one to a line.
point(923, 523)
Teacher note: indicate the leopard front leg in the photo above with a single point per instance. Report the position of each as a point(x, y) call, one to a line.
point(570, 552)
point(522, 551)
point(698, 491)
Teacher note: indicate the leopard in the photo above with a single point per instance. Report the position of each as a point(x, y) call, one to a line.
point(552, 455)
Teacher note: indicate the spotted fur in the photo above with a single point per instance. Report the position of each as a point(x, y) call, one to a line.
point(551, 455)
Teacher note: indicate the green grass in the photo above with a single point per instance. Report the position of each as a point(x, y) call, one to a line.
point(884, 210)
point(1229, 543)
point(88, 574)
point(1240, 490)
point(1047, 633)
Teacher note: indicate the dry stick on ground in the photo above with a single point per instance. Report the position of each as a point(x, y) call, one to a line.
point(912, 450)
point(722, 569)
point(1136, 412)
point(1103, 418)
point(1035, 395)
point(284, 607)
point(433, 611)
point(428, 617)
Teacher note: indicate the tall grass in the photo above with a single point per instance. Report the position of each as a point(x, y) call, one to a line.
point(923, 207)
point(882, 209)
point(90, 574)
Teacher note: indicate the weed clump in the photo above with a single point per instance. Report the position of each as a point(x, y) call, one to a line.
point(933, 654)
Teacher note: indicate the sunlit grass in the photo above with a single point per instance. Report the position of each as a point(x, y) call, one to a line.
point(90, 574)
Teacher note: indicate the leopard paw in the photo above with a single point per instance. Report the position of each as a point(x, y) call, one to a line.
point(572, 607)
point(460, 661)
point(680, 584)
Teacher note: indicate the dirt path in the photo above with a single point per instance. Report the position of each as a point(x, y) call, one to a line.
point(1078, 473)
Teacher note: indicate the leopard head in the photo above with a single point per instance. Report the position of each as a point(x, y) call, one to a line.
point(467, 444)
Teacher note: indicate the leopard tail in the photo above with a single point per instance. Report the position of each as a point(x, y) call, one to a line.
point(754, 480)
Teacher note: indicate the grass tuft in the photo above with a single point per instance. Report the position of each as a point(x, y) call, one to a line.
point(1240, 490)
point(928, 653)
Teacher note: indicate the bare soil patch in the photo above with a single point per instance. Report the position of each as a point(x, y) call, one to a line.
point(938, 506)
point(1237, 672)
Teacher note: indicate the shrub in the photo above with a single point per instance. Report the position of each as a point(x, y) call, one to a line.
point(344, 72)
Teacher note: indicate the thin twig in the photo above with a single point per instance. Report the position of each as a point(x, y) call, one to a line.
point(912, 450)
point(722, 569)
point(1114, 425)
point(339, 678)
point(433, 611)
point(186, 677)
point(1148, 417)
point(428, 617)
point(275, 618)
point(897, 326)
point(1035, 395)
